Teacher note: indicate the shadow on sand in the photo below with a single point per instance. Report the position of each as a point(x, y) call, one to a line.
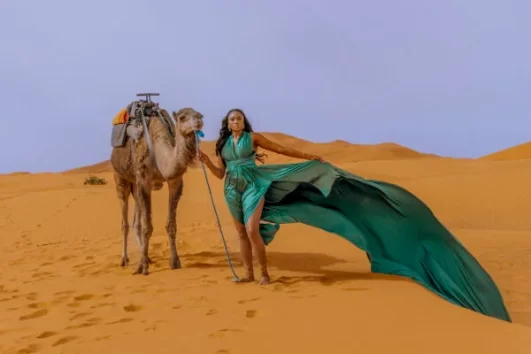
point(313, 263)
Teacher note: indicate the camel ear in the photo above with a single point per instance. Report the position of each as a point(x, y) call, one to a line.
point(178, 114)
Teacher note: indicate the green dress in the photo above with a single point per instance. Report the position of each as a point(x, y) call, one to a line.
point(397, 230)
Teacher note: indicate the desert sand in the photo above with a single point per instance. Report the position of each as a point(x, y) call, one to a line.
point(62, 289)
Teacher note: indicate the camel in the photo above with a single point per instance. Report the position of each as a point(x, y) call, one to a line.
point(142, 165)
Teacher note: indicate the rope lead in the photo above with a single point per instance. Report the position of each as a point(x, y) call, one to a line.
point(199, 133)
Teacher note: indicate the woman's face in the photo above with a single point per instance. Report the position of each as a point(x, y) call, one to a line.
point(236, 121)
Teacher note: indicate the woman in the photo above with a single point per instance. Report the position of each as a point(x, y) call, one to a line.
point(397, 230)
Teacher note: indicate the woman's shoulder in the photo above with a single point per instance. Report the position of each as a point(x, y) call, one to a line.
point(255, 135)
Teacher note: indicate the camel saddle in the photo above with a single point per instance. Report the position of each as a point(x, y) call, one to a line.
point(128, 122)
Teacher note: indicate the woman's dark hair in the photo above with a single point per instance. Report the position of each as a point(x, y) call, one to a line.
point(225, 133)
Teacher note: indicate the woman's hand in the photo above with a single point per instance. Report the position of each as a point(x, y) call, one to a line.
point(203, 157)
point(219, 170)
point(314, 157)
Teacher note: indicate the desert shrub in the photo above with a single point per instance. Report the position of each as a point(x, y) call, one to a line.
point(94, 180)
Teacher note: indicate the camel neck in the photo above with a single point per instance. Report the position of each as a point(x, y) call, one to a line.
point(173, 154)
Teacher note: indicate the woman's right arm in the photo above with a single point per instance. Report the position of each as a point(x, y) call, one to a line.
point(217, 169)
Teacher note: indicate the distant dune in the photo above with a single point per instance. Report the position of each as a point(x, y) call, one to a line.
point(21, 173)
point(104, 166)
point(518, 152)
point(337, 151)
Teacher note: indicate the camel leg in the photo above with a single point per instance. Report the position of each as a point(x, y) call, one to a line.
point(175, 189)
point(137, 226)
point(146, 228)
point(123, 189)
point(136, 219)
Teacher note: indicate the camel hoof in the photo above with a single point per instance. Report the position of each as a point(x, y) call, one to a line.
point(125, 262)
point(175, 263)
point(142, 269)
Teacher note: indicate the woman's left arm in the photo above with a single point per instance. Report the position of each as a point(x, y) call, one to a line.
point(261, 141)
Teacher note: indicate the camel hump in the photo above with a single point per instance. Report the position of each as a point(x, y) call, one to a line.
point(127, 124)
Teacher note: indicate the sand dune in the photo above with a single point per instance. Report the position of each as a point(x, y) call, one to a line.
point(62, 289)
point(338, 151)
point(518, 152)
point(104, 166)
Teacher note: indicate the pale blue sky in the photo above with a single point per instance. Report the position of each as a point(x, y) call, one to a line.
point(447, 77)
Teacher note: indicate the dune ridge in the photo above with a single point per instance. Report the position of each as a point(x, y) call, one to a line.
point(517, 152)
point(341, 151)
point(338, 150)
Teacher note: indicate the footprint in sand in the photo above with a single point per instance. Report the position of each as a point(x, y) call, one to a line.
point(204, 280)
point(156, 246)
point(112, 265)
point(33, 315)
point(60, 299)
point(224, 332)
point(31, 296)
point(223, 351)
point(250, 313)
point(103, 304)
point(88, 323)
point(43, 275)
point(121, 320)
point(241, 302)
point(83, 265)
point(12, 297)
point(64, 340)
point(67, 258)
point(46, 334)
point(83, 297)
point(211, 312)
point(97, 339)
point(132, 308)
point(80, 315)
point(279, 287)
point(65, 292)
point(32, 348)
point(37, 305)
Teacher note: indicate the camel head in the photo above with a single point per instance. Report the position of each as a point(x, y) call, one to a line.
point(187, 120)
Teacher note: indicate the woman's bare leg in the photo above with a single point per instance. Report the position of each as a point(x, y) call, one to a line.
point(253, 231)
point(246, 252)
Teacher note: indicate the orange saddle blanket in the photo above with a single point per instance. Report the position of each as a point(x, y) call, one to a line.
point(121, 118)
